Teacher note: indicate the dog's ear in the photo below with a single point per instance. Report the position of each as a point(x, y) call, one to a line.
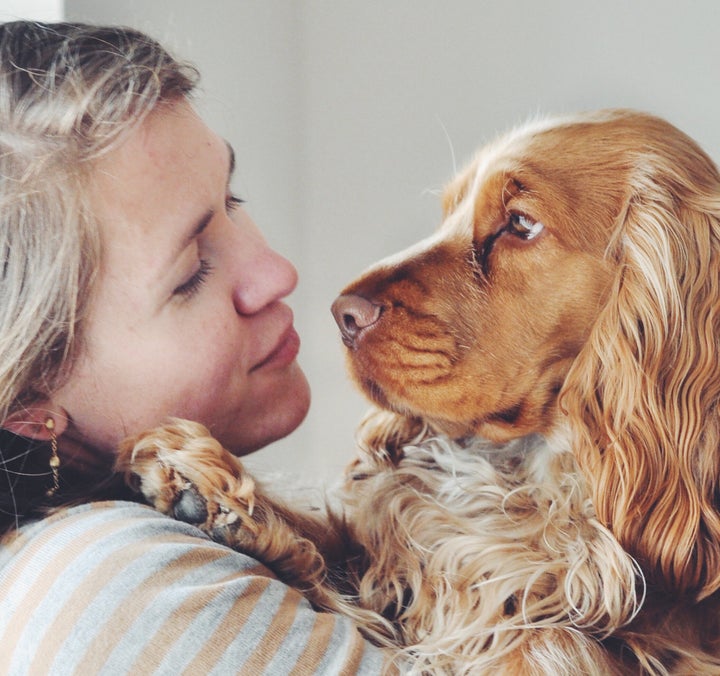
point(643, 396)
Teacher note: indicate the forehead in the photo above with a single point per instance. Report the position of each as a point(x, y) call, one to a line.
point(163, 172)
point(569, 173)
point(463, 195)
point(502, 151)
point(171, 149)
point(487, 173)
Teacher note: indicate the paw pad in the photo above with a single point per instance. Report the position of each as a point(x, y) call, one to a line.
point(190, 506)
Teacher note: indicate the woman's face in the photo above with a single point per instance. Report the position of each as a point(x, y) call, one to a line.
point(187, 317)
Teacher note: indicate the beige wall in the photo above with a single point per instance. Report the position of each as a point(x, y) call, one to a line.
point(341, 111)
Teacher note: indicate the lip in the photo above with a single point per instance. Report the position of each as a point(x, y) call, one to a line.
point(284, 352)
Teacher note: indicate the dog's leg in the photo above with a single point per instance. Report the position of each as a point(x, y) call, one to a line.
point(183, 472)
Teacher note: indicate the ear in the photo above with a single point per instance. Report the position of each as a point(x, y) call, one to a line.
point(31, 421)
point(644, 393)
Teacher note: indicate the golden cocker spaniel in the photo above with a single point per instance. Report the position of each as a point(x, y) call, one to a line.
point(538, 491)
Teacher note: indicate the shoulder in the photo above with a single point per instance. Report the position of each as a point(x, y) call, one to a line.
point(119, 587)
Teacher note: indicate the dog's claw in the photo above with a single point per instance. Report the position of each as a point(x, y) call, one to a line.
point(190, 506)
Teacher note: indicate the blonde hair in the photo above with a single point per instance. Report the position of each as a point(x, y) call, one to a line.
point(68, 93)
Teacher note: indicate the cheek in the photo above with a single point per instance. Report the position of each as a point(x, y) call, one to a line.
point(138, 379)
point(543, 306)
point(205, 367)
point(209, 381)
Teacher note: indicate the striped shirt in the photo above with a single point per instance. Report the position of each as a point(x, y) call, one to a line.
point(118, 588)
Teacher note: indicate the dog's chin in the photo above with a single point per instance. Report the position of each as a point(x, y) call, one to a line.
point(490, 427)
point(454, 429)
point(464, 430)
point(385, 400)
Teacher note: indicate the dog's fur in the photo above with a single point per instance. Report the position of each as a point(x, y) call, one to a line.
point(539, 493)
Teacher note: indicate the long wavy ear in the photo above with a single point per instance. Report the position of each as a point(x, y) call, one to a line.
point(643, 396)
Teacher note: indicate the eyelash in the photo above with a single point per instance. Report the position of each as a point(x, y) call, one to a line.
point(189, 288)
point(233, 202)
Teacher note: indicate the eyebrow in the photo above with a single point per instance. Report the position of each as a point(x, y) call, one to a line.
point(231, 160)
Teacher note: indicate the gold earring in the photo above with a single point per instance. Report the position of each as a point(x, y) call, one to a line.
point(54, 458)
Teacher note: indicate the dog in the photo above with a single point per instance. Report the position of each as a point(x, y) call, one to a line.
point(537, 489)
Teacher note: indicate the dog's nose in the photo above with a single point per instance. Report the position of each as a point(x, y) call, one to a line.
point(353, 314)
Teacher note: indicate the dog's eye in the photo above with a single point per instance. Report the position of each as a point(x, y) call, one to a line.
point(523, 227)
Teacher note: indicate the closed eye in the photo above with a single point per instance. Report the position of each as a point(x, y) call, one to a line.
point(190, 287)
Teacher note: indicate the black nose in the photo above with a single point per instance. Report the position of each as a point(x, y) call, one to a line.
point(353, 314)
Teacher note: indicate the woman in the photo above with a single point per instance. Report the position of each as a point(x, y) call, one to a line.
point(134, 287)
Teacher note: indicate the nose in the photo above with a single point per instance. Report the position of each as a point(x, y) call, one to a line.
point(353, 314)
point(267, 278)
point(259, 276)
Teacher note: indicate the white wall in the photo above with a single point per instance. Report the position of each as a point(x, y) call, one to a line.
point(37, 10)
point(339, 111)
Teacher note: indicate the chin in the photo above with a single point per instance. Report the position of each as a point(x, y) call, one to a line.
point(281, 413)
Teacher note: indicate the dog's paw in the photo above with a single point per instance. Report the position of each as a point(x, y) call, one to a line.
point(185, 473)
